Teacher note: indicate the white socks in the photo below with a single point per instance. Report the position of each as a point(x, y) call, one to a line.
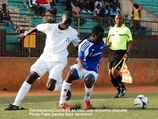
point(65, 88)
point(88, 92)
point(58, 86)
point(22, 93)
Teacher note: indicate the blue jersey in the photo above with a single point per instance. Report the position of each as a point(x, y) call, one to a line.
point(91, 53)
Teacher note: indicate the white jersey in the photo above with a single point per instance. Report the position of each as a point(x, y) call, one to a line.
point(94, 12)
point(57, 42)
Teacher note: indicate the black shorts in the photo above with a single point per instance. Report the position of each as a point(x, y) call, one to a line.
point(115, 59)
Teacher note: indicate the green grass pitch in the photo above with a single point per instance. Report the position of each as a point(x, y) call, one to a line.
point(46, 107)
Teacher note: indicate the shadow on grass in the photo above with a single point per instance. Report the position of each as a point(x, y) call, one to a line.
point(119, 109)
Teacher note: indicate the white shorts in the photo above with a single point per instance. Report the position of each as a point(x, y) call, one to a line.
point(54, 68)
point(83, 72)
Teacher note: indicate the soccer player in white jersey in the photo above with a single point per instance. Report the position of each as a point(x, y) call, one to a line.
point(87, 67)
point(53, 59)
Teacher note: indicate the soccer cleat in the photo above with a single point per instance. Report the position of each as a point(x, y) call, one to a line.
point(68, 95)
point(12, 107)
point(65, 106)
point(122, 92)
point(117, 94)
point(88, 104)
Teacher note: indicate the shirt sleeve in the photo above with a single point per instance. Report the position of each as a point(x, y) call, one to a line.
point(42, 27)
point(109, 36)
point(83, 49)
point(129, 35)
point(104, 40)
point(75, 39)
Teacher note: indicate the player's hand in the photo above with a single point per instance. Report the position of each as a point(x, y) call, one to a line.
point(21, 36)
point(126, 55)
point(107, 44)
point(80, 66)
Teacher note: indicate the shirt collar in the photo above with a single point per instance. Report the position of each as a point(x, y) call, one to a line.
point(120, 27)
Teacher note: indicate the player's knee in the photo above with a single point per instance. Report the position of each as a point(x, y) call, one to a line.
point(50, 87)
point(72, 75)
point(89, 81)
point(51, 84)
point(32, 77)
point(113, 73)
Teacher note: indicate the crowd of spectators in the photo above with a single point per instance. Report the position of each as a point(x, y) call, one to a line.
point(5, 18)
point(76, 10)
point(102, 10)
point(41, 7)
point(45, 8)
point(107, 11)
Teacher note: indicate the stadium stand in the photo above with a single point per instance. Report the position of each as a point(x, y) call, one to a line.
point(61, 8)
point(38, 19)
point(146, 42)
point(150, 5)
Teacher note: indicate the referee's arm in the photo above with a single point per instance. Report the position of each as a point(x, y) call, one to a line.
point(129, 46)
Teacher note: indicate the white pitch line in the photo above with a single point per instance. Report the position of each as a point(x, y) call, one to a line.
point(68, 101)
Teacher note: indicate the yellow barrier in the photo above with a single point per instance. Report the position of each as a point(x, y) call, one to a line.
point(30, 41)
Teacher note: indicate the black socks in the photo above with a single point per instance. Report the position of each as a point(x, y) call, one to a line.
point(119, 79)
point(117, 82)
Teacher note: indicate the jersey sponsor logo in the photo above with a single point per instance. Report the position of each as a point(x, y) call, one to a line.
point(99, 53)
point(60, 32)
point(101, 47)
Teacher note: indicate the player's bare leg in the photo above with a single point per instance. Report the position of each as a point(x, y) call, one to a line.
point(23, 91)
point(65, 88)
point(89, 81)
point(53, 85)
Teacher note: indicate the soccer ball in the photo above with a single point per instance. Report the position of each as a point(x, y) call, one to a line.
point(141, 101)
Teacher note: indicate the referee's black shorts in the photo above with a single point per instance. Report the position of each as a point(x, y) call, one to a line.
point(115, 59)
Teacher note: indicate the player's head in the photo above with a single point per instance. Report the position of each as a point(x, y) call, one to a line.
point(97, 34)
point(66, 20)
point(4, 5)
point(136, 6)
point(119, 20)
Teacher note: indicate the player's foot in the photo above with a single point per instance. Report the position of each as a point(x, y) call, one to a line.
point(117, 94)
point(65, 106)
point(122, 92)
point(88, 104)
point(68, 95)
point(12, 107)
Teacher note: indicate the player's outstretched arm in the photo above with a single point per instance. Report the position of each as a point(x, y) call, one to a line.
point(80, 63)
point(22, 36)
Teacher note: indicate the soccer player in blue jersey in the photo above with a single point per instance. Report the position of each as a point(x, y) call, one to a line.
point(87, 67)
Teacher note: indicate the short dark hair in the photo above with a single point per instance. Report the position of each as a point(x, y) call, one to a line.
point(136, 6)
point(68, 14)
point(97, 30)
point(4, 4)
point(67, 17)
